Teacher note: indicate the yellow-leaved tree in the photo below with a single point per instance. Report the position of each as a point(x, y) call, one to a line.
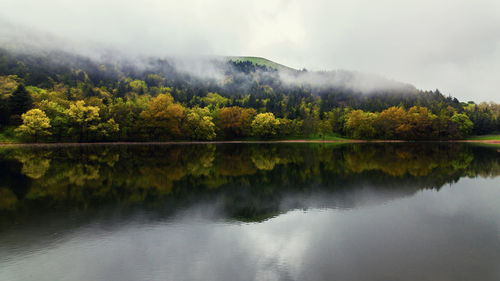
point(265, 125)
point(84, 118)
point(198, 124)
point(35, 124)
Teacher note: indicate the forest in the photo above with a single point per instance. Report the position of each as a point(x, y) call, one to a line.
point(53, 96)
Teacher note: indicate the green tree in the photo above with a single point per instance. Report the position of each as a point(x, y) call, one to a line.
point(463, 124)
point(84, 119)
point(215, 100)
point(360, 124)
point(198, 124)
point(108, 129)
point(20, 101)
point(138, 86)
point(324, 128)
point(265, 125)
point(35, 124)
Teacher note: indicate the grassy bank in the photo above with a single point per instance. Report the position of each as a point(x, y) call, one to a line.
point(486, 138)
point(8, 137)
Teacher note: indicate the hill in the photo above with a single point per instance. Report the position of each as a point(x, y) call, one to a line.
point(151, 98)
point(261, 62)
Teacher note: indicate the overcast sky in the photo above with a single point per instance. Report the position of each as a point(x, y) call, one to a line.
point(453, 45)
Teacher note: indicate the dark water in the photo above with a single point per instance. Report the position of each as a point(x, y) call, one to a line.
point(250, 212)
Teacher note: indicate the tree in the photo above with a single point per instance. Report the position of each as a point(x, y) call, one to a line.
point(35, 124)
point(360, 124)
point(286, 127)
point(84, 118)
point(463, 123)
point(215, 100)
point(138, 86)
point(198, 124)
point(420, 124)
point(163, 117)
point(337, 118)
point(125, 114)
point(265, 125)
point(324, 128)
point(20, 101)
point(388, 121)
point(236, 121)
point(59, 121)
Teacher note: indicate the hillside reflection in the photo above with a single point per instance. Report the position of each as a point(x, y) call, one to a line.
point(251, 180)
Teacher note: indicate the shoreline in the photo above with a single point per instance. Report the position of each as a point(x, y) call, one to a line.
point(238, 142)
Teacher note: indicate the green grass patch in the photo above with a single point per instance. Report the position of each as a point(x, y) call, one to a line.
point(262, 62)
point(319, 138)
point(485, 137)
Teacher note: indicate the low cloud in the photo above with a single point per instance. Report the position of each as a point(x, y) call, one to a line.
point(445, 44)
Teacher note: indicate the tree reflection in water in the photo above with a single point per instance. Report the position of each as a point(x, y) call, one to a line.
point(250, 179)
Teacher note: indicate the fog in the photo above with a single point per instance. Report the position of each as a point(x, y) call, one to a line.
point(450, 45)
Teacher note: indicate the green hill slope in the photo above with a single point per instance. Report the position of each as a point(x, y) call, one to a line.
point(262, 62)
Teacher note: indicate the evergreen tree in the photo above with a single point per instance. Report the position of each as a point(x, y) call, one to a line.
point(20, 101)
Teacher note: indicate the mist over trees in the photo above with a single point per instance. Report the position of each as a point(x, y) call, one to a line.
point(57, 96)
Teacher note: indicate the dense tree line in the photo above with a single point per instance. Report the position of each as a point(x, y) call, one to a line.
point(62, 97)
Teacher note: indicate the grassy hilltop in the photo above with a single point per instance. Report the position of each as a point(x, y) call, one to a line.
point(258, 61)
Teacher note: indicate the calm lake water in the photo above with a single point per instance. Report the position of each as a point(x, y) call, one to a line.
point(250, 212)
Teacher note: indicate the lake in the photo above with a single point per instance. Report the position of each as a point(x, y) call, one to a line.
point(365, 211)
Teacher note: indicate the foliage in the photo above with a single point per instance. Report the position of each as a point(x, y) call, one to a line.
point(360, 124)
point(84, 119)
point(463, 124)
point(86, 101)
point(198, 124)
point(20, 101)
point(43, 178)
point(215, 100)
point(35, 124)
point(265, 125)
point(235, 121)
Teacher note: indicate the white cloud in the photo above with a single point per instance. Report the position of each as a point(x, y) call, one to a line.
point(445, 44)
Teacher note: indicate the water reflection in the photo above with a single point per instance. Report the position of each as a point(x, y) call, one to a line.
point(250, 212)
point(253, 179)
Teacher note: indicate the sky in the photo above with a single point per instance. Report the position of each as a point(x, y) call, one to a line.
point(450, 45)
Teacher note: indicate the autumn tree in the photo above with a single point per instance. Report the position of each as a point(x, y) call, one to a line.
point(388, 121)
point(420, 124)
point(163, 118)
point(235, 121)
point(35, 124)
